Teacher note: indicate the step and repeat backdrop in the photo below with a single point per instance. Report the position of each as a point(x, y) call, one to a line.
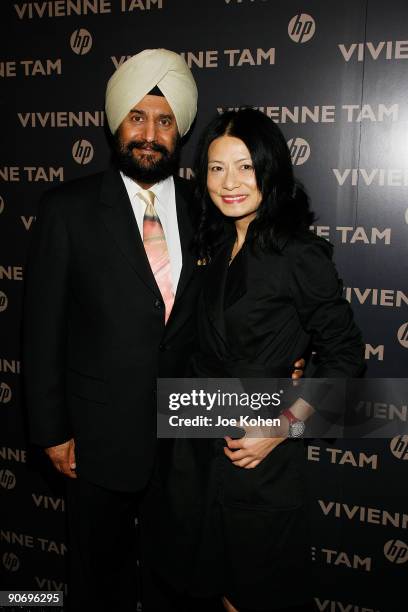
point(333, 75)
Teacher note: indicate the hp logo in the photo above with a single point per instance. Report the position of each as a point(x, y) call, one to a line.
point(299, 151)
point(301, 28)
point(7, 479)
point(82, 152)
point(403, 335)
point(5, 393)
point(81, 41)
point(396, 551)
point(3, 301)
point(11, 562)
point(399, 447)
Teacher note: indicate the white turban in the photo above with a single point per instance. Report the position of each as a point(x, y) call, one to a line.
point(140, 74)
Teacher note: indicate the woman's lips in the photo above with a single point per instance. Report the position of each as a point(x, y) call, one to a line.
point(236, 199)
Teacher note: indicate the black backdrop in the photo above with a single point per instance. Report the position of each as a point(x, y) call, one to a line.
point(333, 76)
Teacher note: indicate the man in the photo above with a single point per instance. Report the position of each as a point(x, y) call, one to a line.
point(110, 306)
point(98, 331)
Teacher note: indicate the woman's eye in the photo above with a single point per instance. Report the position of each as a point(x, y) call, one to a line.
point(247, 167)
point(215, 168)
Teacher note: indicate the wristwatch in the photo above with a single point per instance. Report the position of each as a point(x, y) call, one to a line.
point(296, 426)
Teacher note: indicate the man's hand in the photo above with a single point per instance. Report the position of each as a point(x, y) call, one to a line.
point(63, 457)
point(299, 367)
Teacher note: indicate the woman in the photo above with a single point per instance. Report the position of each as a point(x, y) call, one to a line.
point(237, 507)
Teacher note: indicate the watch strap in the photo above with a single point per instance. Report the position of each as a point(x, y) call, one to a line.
point(290, 416)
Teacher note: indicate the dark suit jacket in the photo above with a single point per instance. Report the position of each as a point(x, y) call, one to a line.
point(94, 332)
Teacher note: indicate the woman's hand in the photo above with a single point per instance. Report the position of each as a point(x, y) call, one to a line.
point(248, 452)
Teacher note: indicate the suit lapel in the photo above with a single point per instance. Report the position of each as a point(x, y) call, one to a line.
point(184, 221)
point(118, 217)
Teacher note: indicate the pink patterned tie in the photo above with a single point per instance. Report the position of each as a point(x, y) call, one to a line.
point(156, 250)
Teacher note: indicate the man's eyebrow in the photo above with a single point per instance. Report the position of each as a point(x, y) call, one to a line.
point(137, 111)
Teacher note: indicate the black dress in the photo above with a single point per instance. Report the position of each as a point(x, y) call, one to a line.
point(241, 532)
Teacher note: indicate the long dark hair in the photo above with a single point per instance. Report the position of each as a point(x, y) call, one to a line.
point(284, 210)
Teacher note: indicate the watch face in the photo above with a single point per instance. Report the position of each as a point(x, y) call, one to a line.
point(297, 429)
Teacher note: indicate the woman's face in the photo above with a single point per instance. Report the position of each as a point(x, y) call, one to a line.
point(231, 181)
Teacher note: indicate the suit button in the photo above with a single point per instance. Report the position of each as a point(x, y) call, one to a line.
point(163, 347)
point(158, 303)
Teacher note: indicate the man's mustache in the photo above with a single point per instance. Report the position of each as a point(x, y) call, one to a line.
point(143, 144)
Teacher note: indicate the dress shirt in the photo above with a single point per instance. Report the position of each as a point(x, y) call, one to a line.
point(165, 205)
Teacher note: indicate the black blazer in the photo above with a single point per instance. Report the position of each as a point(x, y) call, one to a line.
point(94, 332)
point(277, 307)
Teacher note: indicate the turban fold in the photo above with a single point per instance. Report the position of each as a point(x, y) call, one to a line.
point(136, 77)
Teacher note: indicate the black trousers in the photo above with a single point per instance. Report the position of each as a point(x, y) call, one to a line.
point(103, 551)
point(107, 571)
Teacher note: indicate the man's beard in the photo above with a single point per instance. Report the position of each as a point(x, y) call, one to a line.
point(150, 170)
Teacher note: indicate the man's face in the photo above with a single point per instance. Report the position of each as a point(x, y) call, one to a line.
point(147, 143)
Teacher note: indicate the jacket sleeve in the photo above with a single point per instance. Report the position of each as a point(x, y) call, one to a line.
point(325, 314)
point(45, 325)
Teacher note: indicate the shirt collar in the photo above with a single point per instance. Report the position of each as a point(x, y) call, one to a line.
point(161, 190)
